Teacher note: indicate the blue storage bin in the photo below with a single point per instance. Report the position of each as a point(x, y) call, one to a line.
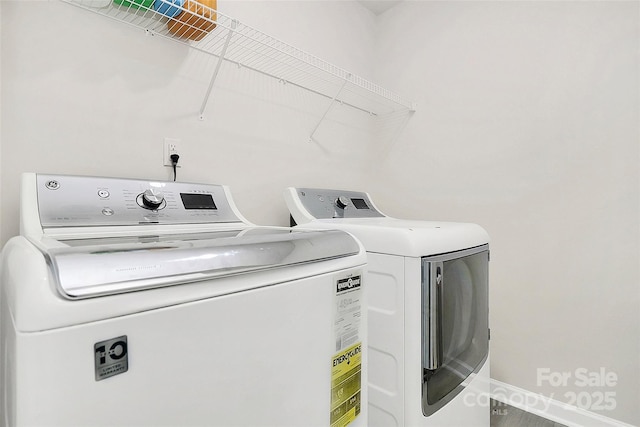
point(170, 8)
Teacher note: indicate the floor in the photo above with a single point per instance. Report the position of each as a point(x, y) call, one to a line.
point(503, 415)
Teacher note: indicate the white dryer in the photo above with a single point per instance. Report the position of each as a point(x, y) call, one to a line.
point(145, 303)
point(427, 293)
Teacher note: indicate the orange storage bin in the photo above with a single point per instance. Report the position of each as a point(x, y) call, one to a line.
point(196, 21)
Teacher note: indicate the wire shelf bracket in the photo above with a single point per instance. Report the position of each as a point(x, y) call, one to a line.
point(333, 101)
point(205, 101)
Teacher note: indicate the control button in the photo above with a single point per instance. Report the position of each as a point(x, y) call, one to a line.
point(107, 211)
point(152, 199)
point(103, 194)
point(342, 202)
point(52, 185)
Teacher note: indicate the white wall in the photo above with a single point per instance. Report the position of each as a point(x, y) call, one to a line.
point(527, 123)
point(83, 94)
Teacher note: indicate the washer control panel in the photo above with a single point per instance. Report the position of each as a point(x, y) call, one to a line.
point(325, 204)
point(77, 201)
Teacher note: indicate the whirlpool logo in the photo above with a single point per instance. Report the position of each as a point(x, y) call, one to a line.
point(348, 284)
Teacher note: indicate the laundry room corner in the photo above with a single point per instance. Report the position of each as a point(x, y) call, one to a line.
point(527, 123)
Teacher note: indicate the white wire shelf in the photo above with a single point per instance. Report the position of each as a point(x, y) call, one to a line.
point(232, 41)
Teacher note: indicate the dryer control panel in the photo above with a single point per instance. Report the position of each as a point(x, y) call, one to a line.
point(326, 204)
point(80, 201)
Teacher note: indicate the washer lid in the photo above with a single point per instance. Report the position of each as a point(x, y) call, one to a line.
point(98, 267)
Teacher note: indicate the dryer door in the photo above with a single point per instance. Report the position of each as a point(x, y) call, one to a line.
point(455, 323)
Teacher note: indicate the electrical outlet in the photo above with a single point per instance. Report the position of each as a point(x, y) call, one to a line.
point(172, 146)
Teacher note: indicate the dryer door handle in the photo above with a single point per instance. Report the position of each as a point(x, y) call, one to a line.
point(433, 316)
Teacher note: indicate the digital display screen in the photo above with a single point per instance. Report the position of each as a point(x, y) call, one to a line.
point(359, 203)
point(197, 201)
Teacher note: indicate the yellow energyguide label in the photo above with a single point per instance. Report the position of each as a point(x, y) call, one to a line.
point(346, 385)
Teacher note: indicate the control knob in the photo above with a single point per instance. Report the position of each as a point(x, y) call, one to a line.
point(152, 199)
point(342, 202)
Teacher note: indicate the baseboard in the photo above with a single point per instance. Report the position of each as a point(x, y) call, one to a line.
point(548, 408)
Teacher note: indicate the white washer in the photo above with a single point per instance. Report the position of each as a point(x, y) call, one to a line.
point(138, 303)
point(427, 293)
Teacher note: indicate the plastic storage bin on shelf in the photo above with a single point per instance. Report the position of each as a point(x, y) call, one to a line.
point(135, 4)
point(169, 8)
point(195, 21)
